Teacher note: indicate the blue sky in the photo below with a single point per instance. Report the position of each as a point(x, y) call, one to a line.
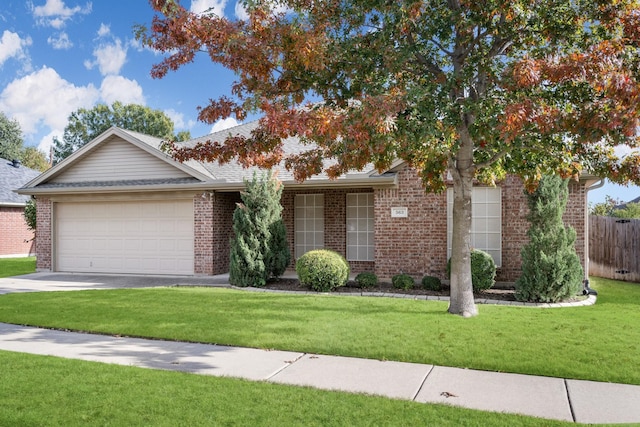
point(60, 55)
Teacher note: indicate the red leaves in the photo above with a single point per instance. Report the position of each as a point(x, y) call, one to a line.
point(526, 73)
point(390, 73)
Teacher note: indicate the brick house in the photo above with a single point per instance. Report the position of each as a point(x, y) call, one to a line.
point(120, 205)
point(16, 240)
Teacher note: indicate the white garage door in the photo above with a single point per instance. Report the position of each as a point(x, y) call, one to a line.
point(146, 237)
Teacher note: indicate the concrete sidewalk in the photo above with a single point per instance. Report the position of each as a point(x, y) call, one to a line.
point(544, 397)
point(552, 398)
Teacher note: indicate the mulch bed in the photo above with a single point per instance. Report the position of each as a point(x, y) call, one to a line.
point(504, 294)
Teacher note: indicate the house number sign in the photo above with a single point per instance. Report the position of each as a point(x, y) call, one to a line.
point(399, 212)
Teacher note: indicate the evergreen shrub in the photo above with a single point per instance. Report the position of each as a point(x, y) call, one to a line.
point(431, 283)
point(483, 270)
point(259, 250)
point(402, 281)
point(551, 269)
point(366, 280)
point(323, 270)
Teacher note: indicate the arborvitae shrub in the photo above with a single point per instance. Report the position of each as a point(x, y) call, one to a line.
point(278, 257)
point(259, 249)
point(323, 270)
point(431, 283)
point(366, 280)
point(551, 269)
point(402, 281)
point(483, 270)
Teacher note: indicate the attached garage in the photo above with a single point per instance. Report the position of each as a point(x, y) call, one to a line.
point(141, 237)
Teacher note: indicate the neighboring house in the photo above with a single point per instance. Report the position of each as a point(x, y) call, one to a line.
point(16, 239)
point(120, 205)
point(624, 205)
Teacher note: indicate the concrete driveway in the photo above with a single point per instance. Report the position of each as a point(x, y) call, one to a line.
point(39, 282)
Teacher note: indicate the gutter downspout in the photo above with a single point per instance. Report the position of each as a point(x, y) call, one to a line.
point(595, 186)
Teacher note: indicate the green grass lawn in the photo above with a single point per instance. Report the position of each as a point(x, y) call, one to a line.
point(48, 391)
point(17, 266)
point(599, 342)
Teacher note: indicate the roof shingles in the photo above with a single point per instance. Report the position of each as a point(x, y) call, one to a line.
point(12, 178)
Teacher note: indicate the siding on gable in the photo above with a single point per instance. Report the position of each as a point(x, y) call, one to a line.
point(116, 159)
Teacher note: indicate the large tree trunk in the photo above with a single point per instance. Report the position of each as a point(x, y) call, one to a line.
point(462, 170)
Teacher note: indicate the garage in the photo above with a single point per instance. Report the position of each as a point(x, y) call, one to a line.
point(139, 237)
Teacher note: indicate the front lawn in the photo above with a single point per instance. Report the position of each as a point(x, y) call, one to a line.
point(48, 391)
point(17, 266)
point(599, 342)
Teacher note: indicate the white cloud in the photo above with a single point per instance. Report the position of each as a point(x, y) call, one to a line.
point(118, 88)
point(46, 142)
point(243, 15)
point(241, 12)
point(12, 46)
point(43, 98)
point(104, 30)
point(223, 124)
point(178, 119)
point(208, 6)
point(109, 58)
point(61, 42)
point(55, 13)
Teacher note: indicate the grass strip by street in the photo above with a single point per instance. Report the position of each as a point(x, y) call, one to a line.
point(17, 266)
point(597, 343)
point(48, 391)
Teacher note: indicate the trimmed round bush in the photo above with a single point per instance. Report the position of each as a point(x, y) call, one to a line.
point(402, 281)
point(483, 270)
point(431, 283)
point(366, 280)
point(323, 270)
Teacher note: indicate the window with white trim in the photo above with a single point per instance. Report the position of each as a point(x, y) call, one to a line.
point(360, 227)
point(309, 223)
point(486, 221)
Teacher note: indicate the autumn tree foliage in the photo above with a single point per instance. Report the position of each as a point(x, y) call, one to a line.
point(464, 89)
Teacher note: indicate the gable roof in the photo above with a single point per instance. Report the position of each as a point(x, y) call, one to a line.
point(12, 178)
point(195, 175)
point(234, 174)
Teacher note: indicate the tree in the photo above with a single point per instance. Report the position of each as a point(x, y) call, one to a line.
point(30, 214)
point(86, 124)
point(551, 269)
point(467, 89)
point(604, 208)
point(33, 158)
point(629, 211)
point(259, 249)
point(609, 208)
point(12, 146)
point(10, 138)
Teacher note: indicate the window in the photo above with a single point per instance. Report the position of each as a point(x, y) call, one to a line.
point(309, 223)
point(486, 221)
point(360, 227)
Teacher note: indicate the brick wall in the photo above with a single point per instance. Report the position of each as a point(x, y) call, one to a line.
point(223, 206)
point(203, 234)
point(417, 245)
point(576, 215)
point(43, 234)
point(514, 227)
point(15, 237)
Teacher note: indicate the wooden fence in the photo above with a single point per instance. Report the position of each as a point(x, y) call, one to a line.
point(614, 248)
